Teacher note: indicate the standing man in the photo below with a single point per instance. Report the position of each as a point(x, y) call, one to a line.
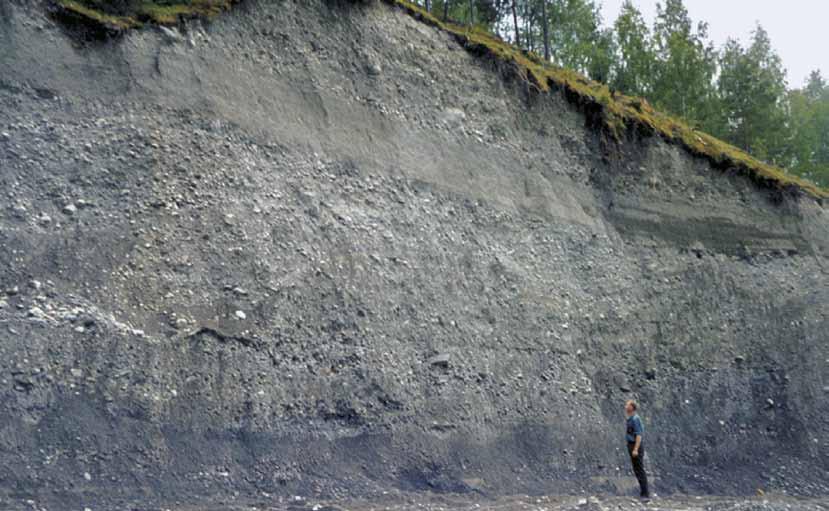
point(636, 449)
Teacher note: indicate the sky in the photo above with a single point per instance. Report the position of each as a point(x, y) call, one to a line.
point(799, 29)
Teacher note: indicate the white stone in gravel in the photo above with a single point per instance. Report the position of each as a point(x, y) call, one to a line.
point(171, 34)
point(241, 315)
point(454, 117)
point(36, 312)
point(70, 209)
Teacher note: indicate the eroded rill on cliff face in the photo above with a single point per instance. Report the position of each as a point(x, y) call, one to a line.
point(310, 247)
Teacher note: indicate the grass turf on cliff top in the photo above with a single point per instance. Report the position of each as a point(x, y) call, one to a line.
point(619, 113)
point(124, 14)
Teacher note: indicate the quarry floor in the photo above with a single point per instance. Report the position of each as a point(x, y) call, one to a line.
point(424, 501)
point(428, 502)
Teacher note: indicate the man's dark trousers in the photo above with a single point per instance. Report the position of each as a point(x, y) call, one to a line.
point(639, 469)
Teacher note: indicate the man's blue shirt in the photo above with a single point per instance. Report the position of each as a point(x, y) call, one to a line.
point(634, 427)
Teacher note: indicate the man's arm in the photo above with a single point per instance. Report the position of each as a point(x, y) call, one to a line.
point(638, 430)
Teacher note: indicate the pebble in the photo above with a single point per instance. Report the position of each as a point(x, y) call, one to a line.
point(240, 315)
point(454, 117)
point(35, 312)
point(70, 209)
point(439, 360)
point(374, 69)
point(172, 35)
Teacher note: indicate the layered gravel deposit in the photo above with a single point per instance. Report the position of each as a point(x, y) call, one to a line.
point(320, 249)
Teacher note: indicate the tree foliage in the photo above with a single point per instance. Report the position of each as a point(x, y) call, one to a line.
point(685, 64)
point(752, 94)
point(635, 60)
point(809, 113)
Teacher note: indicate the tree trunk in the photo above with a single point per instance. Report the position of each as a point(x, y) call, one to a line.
point(428, 5)
point(471, 12)
point(445, 10)
point(546, 30)
point(515, 22)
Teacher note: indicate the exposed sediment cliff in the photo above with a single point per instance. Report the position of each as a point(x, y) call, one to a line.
point(321, 248)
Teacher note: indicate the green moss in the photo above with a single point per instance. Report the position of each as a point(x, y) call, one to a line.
point(161, 12)
point(170, 13)
point(618, 113)
point(96, 16)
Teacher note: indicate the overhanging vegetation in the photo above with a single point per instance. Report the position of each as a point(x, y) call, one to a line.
point(125, 14)
point(619, 112)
